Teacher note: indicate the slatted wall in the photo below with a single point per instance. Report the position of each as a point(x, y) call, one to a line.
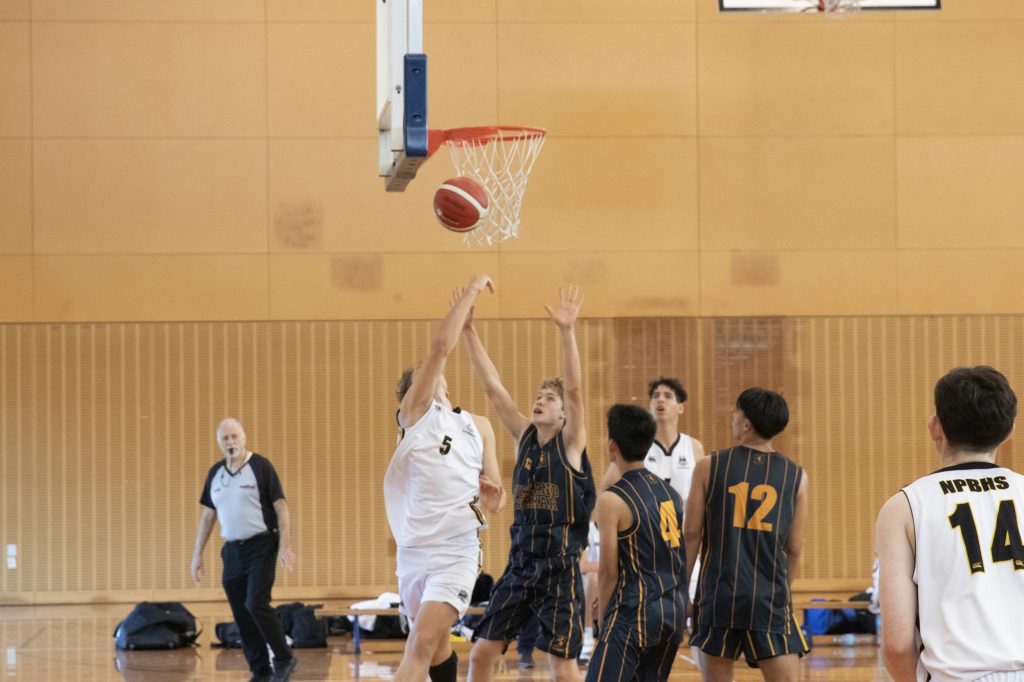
point(106, 430)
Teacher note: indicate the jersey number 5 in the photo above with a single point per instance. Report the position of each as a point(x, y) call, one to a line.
point(446, 445)
point(763, 492)
point(669, 523)
point(1006, 542)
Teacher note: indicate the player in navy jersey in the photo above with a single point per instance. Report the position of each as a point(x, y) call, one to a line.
point(553, 492)
point(641, 593)
point(746, 514)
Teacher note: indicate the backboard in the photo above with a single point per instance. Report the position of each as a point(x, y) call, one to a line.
point(401, 91)
point(813, 5)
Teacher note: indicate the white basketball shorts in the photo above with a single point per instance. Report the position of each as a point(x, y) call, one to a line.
point(444, 571)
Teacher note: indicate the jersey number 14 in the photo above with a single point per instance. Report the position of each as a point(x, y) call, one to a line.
point(1006, 541)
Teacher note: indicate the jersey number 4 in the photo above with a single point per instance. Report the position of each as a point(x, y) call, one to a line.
point(764, 492)
point(1006, 542)
point(669, 523)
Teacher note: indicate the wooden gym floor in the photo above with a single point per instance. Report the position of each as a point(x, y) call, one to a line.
point(75, 643)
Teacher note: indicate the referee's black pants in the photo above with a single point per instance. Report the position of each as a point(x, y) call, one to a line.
point(249, 570)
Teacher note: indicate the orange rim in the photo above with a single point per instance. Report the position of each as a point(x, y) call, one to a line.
point(483, 135)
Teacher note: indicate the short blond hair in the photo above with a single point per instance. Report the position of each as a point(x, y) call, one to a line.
point(556, 384)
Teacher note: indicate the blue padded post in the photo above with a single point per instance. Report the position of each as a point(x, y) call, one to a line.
point(416, 136)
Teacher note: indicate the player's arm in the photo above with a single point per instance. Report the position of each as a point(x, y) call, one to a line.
point(485, 370)
point(698, 450)
point(610, 511)
point(795, 544)
point(897, 594)
point(206, 520)
point(424, 384)
point(611, 475)
point(693, 515)
point(492, 493)
point(564, 315)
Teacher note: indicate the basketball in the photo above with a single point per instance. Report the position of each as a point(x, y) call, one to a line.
point(460, 204)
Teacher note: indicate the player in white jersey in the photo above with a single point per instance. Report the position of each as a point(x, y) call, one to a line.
point(951, 559)
point(443, 473)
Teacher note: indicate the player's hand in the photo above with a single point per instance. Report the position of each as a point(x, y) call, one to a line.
point(478, 281)
point(197, 568)
point(286, 557)
point(568, 309)
point(490, 493)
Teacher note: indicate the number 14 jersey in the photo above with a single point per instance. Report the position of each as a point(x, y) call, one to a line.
point(748, 512)
point(969, 570)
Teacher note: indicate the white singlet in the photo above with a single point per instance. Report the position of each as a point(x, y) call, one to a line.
point(969, 571)
point(675, 465)
point(432, 486)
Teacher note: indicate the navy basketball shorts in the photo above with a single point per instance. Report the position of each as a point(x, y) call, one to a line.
point(618, 655)
point(550, 589)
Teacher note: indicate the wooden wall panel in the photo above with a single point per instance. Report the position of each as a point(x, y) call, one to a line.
point(106, 430)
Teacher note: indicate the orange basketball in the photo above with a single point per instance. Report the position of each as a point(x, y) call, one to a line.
point(460, 204)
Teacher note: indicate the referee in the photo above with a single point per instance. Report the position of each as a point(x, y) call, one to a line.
point(244, 492)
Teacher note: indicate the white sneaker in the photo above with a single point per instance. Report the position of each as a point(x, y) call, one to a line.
point(588, 646)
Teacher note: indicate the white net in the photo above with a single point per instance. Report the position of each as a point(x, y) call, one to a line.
point(500, 158)
point(833, 6)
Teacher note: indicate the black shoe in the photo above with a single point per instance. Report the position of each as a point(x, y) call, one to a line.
point(526, 661)
point(285, 669)
point(261, 677)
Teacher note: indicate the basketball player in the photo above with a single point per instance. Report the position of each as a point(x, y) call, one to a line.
point(642, 560)
point(443, 474)
point(553, 489)
point(673, 455)
point(746, 516)
point(951, 558)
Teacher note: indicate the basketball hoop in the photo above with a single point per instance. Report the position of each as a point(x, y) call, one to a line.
point(500, 158)
point(835, 7)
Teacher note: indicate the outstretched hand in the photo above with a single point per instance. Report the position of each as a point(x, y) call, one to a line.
point(568, 308)
point(479, 281)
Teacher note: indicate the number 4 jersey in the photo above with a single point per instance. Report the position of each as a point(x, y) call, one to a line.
point(748, 512)
point(969, 570)
point(432, 486)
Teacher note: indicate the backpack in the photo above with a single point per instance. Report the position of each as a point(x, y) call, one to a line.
point(228, 636)
point(156, 625)
point(300, 623)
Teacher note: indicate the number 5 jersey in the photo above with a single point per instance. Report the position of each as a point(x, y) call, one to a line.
point(432, 485)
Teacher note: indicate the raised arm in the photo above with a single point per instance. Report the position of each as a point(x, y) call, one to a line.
point(564, 316)
point(485, 370)
point(426, 376)
point(897, 594)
